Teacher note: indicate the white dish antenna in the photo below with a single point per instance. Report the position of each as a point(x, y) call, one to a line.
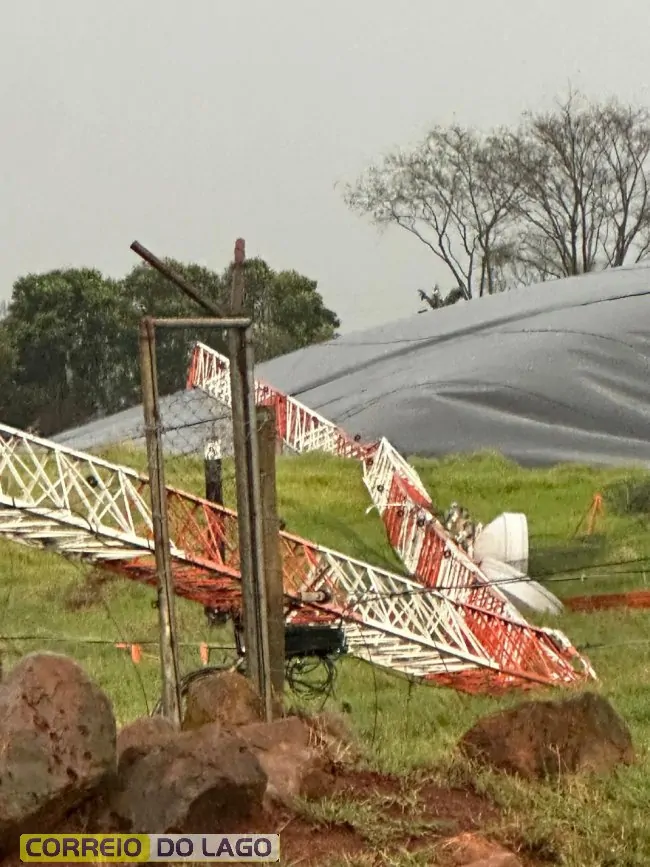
point(501, 550)
point(505, 539)
point(519, 588)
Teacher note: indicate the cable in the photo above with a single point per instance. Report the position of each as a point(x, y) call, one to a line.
point(500, 582)
point(164, 429)
point(299, 672)
point(607, 644)
point(138, 675)
point(74, 639)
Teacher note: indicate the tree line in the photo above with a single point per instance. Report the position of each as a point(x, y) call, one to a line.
point(564, 193)
point(69, 338)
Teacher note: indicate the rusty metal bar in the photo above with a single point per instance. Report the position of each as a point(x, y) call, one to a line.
point(172, 276)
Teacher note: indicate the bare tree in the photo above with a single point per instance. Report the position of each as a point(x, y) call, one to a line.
point(583, 177)
point(455, 192)
point(565, 193)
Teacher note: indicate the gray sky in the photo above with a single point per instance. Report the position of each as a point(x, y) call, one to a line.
point(185, 125)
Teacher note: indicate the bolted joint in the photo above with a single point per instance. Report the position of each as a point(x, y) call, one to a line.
point(320, 597)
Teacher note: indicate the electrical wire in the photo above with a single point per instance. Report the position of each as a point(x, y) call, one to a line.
point(561, 575)
point(550, 577)
point(299, 676)
point(300, 671)
point(75, 639)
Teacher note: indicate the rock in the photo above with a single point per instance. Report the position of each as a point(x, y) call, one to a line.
point(333, 734)
point(140, 737)
point(295, 767)
point(225, 697)
point(200, 781)
point(58, 737)
point(546, 738)
point(472, 850)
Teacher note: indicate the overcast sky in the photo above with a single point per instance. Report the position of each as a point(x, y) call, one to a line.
point(185, 125)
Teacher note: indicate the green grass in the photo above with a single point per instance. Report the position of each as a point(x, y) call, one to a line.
point(581, 822)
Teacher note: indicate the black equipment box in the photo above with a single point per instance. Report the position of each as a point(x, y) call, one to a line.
point(318, 641)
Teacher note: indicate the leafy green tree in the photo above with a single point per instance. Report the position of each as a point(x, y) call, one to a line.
point(147, 293)
point(287, 310)
point(7, 370)
point(69, 347)
point(66, 357)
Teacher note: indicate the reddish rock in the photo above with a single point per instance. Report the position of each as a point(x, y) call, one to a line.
point(539, 739)
point(139, 738)
point(58, 736)
point(198, 782)
point(291, 759)
point(225, 697)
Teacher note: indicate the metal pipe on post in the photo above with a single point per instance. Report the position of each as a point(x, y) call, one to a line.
point(251, 551)
point(213, 475)
point(251, 548)
point(176, 279)
point(213, 471)
point(168, 638)
point(267, 439)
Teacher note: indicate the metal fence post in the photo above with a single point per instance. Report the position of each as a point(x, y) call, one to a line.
point(168, 638)
point(247, 477)
point(267, 439)
point(249, 503)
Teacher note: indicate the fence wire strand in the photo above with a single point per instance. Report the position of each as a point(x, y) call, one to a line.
point(112, 621)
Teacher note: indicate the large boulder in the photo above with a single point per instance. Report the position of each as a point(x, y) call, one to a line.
point(292, 760)
point(196, 782)
point(225, 697)
point(58, 736)
point(139, 738)
point(539, 739)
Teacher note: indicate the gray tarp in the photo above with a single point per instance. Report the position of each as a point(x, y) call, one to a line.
point(545, 374)
point(551, 373)
point(189, 419)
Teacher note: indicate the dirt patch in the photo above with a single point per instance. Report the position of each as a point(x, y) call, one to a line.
point(305, 841)
point(601, 602)
point(310, 845)
point(415, 815)
point(417, 799)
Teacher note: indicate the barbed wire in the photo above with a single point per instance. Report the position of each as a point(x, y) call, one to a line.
point(111, 642)
point(217, 424)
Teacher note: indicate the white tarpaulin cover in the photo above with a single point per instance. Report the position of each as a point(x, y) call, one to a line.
point(551, 373)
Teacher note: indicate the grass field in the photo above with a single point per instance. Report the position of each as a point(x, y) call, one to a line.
point(52, 604)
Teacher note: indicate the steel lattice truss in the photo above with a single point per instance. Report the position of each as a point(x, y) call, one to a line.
point(418, 537)
point(88, 509)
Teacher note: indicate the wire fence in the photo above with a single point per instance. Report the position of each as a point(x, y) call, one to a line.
point(196, 546)
point(111, 626)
